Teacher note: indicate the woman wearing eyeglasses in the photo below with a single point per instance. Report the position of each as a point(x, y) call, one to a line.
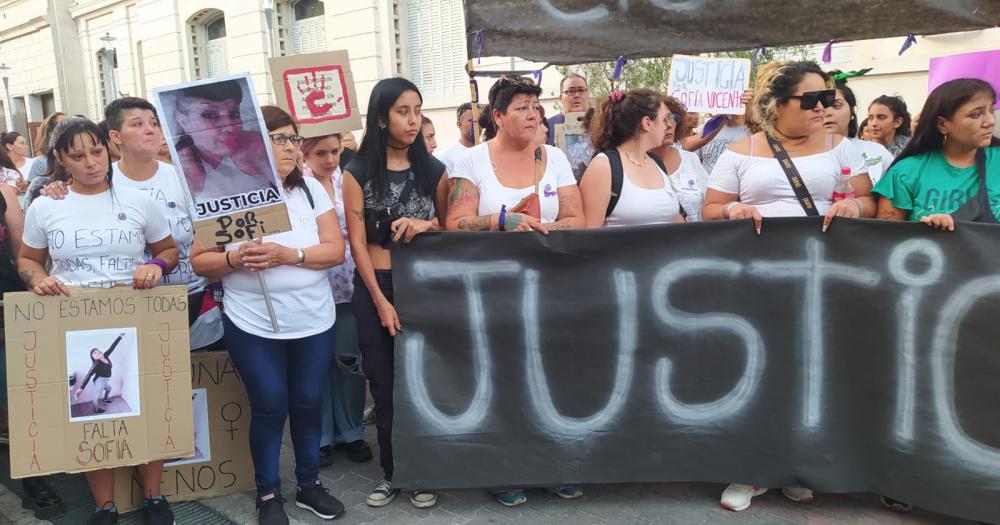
point(688, 177)
point(748, 182)
point(625, 128)
point(286, 371)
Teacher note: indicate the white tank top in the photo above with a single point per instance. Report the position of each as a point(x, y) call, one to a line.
point(638, 206)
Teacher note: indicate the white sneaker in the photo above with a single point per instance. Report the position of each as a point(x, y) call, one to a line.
point(798, 494)
point(737, 497)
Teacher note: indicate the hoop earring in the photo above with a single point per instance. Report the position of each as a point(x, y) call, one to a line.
point(945, 141)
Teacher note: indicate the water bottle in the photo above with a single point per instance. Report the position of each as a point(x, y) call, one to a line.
point(843, 189)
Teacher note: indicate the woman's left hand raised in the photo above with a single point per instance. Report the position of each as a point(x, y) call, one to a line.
point(258, 255)
point(146, 276)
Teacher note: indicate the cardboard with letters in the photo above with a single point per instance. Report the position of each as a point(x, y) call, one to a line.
point(709, 85)
point(227, 469)
point(43, 439)
point(573, 139)
point(317, 90)
point(220, 147)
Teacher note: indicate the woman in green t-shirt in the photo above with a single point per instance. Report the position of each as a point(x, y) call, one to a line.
point(935, 179)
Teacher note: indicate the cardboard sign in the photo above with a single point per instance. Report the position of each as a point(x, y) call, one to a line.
point(220, 147)
point(573, 139)
point(221, 463)
point(98, 379)
point(317, 90)
point(709, 85)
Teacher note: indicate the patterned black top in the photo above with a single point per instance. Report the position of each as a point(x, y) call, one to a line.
point(417, 206)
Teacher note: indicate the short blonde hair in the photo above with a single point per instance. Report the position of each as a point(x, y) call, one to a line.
point(775, 82)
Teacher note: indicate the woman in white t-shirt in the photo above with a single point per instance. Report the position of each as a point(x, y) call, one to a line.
point(749, 183)
point(98, 238)
point(624, 129)
point(842, 119)
point(16, 147)
point(285, 370)
point(493, 188)
point(687, 174)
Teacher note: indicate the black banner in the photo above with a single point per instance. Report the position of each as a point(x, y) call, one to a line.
point(577, 31)
point(861, 359)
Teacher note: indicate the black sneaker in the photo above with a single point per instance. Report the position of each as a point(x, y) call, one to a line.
point(317, 498)
point(156, 511)
point(357, 451)
point(325, 456)
point(105, 516)
point(271, 511)
point(99, 410)
point(106, 401)
point(39, 497)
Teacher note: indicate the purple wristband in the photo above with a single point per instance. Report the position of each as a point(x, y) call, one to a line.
point(503, 216)
point(159, 262)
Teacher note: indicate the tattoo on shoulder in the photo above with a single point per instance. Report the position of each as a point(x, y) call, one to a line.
point(461, 192)
point(475, 224)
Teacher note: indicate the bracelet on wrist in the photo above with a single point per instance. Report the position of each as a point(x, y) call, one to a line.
point(727, 208)
point(229, 263)
point(503, 217)
point(861, 209)
point(159, 262)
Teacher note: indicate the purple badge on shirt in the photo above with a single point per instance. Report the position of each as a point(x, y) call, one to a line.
point(547, 191)
point(171, 204)
point(122, 217)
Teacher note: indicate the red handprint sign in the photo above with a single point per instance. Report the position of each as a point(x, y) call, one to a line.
point(317, 94)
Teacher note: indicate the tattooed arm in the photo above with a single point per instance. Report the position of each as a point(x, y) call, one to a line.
point(888, 212)
point(570, 210)
point(463, 205)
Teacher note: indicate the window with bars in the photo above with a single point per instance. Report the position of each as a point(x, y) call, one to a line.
point(207, 32)
point(308, 31)
point(102, 77)
point(435, 46)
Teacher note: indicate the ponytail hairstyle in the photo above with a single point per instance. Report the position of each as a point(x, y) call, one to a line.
point(62, 138)
point(852, 102)
point(897, 106)
point(274, 118)
point(375, 142)
point(943, 103)
point(619, 117)
point(486, 123)
point(775, 83)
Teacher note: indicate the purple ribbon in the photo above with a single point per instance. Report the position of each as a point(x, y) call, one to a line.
point(480, 38)
point(538, 77)
point(828, 51)
point(753, 58)
point(910, 40)
point(713, 124)
point(619, 65)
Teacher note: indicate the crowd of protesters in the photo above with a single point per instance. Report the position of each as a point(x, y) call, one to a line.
point(332, 273)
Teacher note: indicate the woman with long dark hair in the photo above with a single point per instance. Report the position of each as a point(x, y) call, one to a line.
point(393, 191)
point(80, 150)
point(950, 171)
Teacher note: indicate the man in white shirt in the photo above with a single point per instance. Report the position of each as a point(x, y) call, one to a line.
point(465, 136)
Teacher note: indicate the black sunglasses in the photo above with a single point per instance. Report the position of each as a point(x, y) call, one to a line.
point(809, 99)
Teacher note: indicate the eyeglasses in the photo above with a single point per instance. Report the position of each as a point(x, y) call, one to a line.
point(279, 139)
point(809, 99)
point(575, 92)
point(673, 117)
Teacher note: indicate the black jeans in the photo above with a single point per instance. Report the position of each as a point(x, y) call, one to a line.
point(377, 360)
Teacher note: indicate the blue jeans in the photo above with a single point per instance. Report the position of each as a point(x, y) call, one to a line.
point(284, 378)
point(344, 395)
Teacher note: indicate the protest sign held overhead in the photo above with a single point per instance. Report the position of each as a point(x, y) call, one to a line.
point(709, 85)
point(221, 463)
point(317, 90)
point(859, 359)
point(98, 379)
point(217, 135)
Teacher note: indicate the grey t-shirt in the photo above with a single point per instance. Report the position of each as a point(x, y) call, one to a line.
point(727, 136)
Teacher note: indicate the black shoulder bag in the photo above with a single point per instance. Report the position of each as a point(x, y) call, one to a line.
point(378, 220)
point(978, 209)
point(798, 185)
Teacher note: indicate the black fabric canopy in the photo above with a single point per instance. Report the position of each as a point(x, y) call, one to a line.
point(579, 31)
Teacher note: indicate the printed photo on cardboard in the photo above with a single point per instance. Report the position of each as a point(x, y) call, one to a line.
point(578, 152)
point(103, 371)
point(219, 144)
point(202, 434)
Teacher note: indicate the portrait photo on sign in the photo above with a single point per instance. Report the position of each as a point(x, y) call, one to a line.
point(103, 373)
point(219, 143)
point(578, 152)
point(202, 436)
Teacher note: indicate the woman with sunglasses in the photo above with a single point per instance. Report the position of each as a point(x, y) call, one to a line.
point(393, 191)
point(748, 182)
point(285, 371)
point(625, 128)
point(842, 119)
point(496, 186)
